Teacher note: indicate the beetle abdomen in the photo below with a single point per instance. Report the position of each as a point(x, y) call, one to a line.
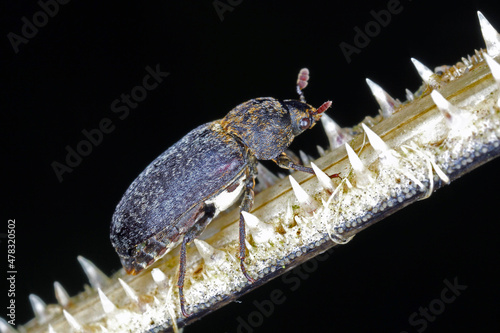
point(156, 209)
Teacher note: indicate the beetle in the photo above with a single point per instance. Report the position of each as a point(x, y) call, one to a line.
point(182, 190)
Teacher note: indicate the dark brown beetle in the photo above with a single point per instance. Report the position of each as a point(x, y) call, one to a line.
point(181, 191)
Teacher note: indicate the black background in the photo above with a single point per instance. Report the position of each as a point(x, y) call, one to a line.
point(65, 78)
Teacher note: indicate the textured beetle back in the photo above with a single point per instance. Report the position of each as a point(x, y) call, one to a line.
point(187, 174)
point(264, 126)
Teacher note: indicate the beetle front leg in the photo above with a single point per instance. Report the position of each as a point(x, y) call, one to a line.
point(246, 205)
point(285, 162)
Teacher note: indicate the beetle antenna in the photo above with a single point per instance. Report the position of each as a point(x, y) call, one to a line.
point(302, 81)
point(325, 106)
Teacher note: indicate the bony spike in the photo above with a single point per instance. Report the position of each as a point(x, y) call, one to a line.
point(490, 36)
point(61, 295)
point(75, 325)
point(210, 254)
point(409, 95)
point(376, 141)
point(159, 278)
point(5, 327)
point(363, 175)
point(456, 118)
point(323, 178)
point(39, 308)
point(261, 232)
point(305, 200)
point(426, 74)
point(336, 135)
point(97, 278)
point(495, 71)
point(106, 303)
point(129, 291)
point(388, 105)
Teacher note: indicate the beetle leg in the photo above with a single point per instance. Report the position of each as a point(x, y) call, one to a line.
point(285, 162)
point(246, 205)
point(182, 272)
point(202, 218)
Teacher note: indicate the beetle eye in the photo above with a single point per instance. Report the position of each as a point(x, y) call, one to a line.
point(304, 123)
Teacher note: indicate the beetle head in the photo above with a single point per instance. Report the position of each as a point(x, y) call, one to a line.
point(302, 115)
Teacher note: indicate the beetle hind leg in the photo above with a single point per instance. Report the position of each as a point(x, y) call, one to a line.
point(202, 218)
point(246, 205)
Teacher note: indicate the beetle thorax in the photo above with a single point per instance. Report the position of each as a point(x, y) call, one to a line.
point(263, 125)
